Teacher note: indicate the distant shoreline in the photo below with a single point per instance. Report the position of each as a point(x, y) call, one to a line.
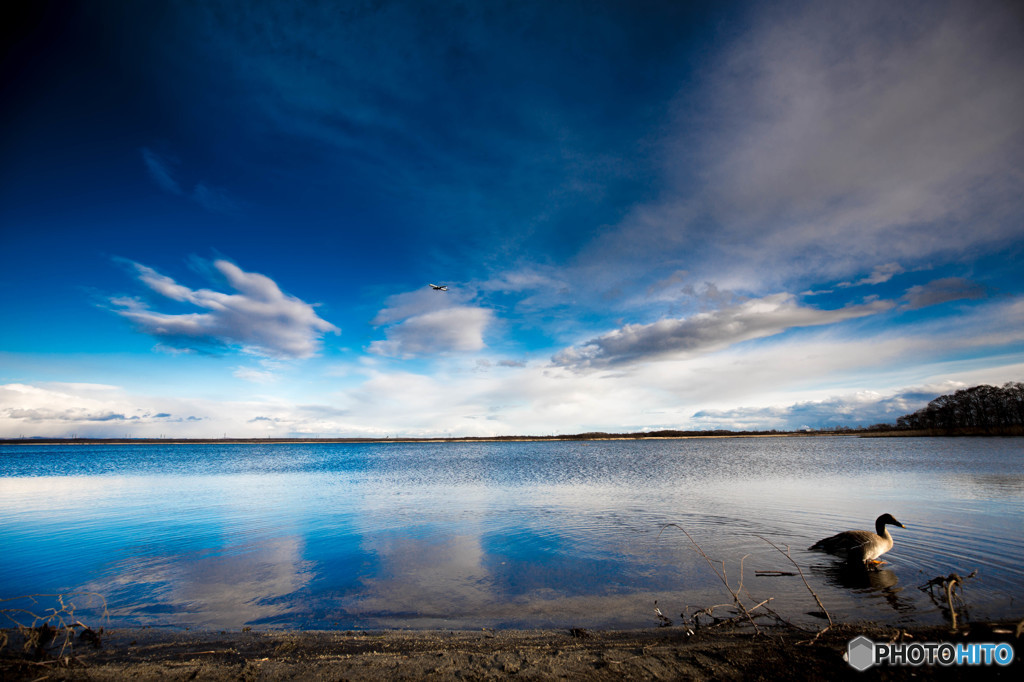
point(463, 439)
point(1009, 431)
point(596, 436)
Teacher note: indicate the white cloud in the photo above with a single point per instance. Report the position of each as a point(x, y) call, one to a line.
point(411, 303)
point(455, 329)
point(428, 322)
point(705, 332)
point(259, 318)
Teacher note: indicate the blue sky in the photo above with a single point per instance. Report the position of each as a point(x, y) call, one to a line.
point(223, 218)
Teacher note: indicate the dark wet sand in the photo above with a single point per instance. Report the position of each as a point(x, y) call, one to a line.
point(660, 654)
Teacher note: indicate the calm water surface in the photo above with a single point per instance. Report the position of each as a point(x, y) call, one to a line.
point(469, 535)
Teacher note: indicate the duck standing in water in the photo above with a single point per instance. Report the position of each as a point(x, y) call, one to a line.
point(861, 546)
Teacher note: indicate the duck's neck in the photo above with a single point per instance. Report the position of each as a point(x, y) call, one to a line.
point(887, 537)
point(880, 529)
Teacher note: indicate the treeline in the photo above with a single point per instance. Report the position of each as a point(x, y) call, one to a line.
point(981, 409)
point(664, 433)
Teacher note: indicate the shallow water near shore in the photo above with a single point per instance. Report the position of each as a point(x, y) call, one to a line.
point(505, 534)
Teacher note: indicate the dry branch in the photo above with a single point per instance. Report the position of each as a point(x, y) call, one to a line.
point(948, 585)
point(737, 602)
point(802, 577)
point(55, 627)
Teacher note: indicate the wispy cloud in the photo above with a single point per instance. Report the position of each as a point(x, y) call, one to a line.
point(835, 139)
point(214, 199)
point(902, 132)
point(880, 275)
point(254, 375)
point(259, 318)
point(942, 291)
point(162, 170)
point(706, 332)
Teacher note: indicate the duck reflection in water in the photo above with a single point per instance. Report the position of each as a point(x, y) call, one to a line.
point(881, 582)
point(854, 577)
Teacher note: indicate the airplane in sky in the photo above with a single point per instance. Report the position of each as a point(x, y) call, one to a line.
point(442, 287)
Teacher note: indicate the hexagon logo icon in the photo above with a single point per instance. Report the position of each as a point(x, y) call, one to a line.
point(860, 653)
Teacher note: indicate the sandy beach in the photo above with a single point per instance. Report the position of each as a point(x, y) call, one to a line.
point(663, 653)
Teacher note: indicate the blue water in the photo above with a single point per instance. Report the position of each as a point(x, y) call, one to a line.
point(470, 535)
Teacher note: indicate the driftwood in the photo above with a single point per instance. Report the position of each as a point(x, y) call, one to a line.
point(948, 585)
point(51, 632)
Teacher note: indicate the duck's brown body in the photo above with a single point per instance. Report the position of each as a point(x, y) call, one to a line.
point(861, 546)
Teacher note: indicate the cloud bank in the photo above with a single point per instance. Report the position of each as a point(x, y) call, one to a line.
point(862, 408)
point(78, 408)
point(258, 319)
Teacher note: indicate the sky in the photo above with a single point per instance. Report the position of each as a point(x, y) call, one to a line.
point(223, 218)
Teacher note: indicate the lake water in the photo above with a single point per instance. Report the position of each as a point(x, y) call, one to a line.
point(511, 534)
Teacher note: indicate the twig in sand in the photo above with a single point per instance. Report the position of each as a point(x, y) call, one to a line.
point(663, 620)
point(737, 602)
point(716, 621)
